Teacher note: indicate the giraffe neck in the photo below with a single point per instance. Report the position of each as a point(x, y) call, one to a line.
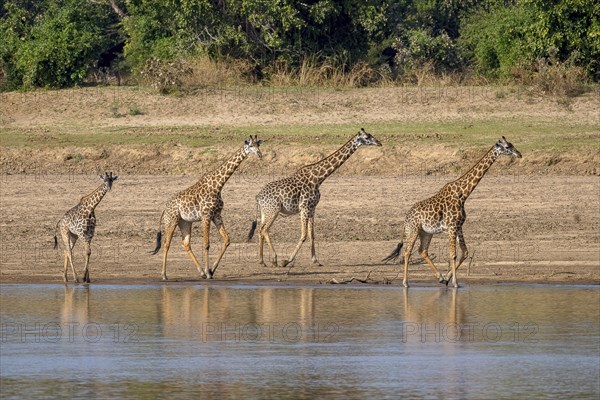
point(471, 178)
point(90, 201)
point(327, 166)
point(220, 176)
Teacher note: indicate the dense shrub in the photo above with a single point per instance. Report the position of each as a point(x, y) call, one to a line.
point(497, 40)
point(503, 38)
point(52, 43)
point(419, 48)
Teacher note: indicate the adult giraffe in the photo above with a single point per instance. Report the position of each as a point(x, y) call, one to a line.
point(445, 212)
point(299, 193)
point(201, 202)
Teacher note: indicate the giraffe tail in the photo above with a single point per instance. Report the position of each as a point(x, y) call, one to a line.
point(395, 254)
point(158, 243)
point(252, 229)
point(158, 236)
point(55, 237)
point(254, 223)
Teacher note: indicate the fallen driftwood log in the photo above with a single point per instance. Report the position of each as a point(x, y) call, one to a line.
point(367, 279)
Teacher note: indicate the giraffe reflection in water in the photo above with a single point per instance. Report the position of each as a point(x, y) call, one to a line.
point(208, 313)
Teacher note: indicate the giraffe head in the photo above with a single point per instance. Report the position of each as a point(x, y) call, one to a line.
point(108, 179)
point(363, 137)
point(252, 146)
point(505, 148)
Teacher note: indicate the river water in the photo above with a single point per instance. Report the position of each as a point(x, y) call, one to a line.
point(284, 341)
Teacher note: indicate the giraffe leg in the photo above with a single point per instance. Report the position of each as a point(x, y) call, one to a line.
point(452, 247)
point(66, 246)
point(264, 236)
point(66, 257)
point(464, 251)
point(261, 241)
point(169, 230)
point(206, 242)
point(311, 236)
point(186, 231)
point(410, 243)
point(71, 243)
point(88, 252)
point(303, 229)
point(223, 232)
point(423, 249)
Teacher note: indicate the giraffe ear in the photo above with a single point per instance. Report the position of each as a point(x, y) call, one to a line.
point(115, 178)
point(259, 142)
point(246, 142)
point(101, 177)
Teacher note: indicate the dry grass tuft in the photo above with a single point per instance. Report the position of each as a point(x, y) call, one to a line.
point(190, 74)
point(554, 78)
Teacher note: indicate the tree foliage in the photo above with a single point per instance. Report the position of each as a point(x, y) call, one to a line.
point(52, 43)
point(505, 36)
point(57, 42)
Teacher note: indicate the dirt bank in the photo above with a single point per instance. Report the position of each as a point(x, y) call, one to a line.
point(425, 131)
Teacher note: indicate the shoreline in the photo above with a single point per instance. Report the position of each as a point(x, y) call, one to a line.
point(416, 282)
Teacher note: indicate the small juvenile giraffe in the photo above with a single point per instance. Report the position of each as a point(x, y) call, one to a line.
point(201, 202)
point(445, 212)
point(299, 193)
point(80, 222)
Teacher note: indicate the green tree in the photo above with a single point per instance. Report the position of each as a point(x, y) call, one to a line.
point(52, 43)
point(505, 36)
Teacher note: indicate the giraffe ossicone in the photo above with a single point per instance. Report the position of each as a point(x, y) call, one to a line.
point(299, 193)
point(201, 202)
point(80, 223)
point(445, 212)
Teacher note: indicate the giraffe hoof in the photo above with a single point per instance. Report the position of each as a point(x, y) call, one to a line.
point(285, 263)
point(262, 264)
point(405, 284)
point(442, 280)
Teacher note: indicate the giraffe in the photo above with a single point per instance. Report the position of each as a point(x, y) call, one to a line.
point(201, 202)
point(445, 212)
point(299, 193)
point(80, 222)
